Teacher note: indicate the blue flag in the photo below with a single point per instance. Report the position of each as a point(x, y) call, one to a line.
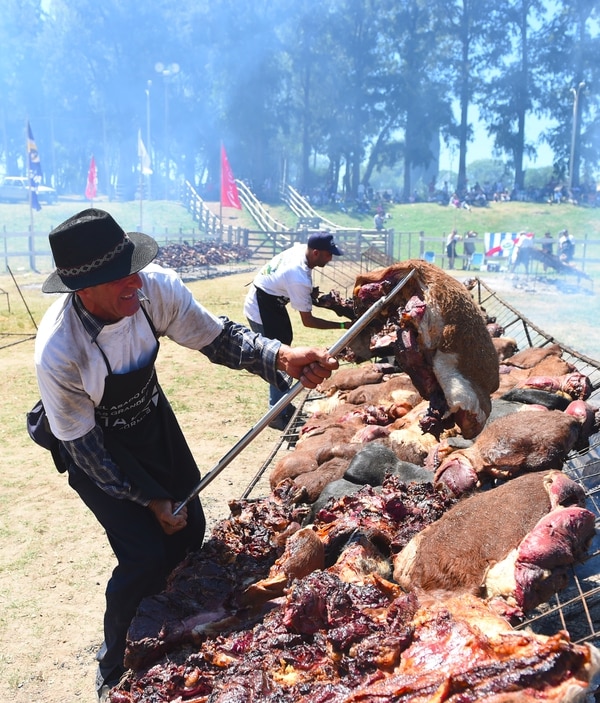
point(35, 168)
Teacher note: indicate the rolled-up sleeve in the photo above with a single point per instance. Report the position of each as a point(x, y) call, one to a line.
point(238, 347)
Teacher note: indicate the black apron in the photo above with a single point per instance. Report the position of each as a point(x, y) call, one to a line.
point(142, 435)
point(274, 315)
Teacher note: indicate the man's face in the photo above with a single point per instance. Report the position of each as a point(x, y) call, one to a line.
point(113, 301)
point(320, 258)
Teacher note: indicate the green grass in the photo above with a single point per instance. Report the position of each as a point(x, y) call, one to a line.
point(169, 218)
point(159, 218)
point(497, 217)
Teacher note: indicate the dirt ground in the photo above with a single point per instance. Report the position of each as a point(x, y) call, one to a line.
point(54, 559)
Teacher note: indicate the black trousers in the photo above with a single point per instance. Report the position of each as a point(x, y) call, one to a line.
point(145, 557)
point(275, 317)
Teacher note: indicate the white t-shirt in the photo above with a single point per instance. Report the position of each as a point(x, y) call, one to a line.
point(286, 275)
point(70, 368)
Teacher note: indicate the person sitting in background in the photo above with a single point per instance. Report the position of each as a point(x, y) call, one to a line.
point(287, 278)
point(119, 440)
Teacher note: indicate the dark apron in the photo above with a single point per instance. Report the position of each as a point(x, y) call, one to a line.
point(274, 315)
point(142, 435)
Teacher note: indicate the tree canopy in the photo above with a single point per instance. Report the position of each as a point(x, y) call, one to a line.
point(319, 94)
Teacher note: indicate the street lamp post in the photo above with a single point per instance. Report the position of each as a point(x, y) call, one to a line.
point(148, 147)
point(576, 93)
point(166, 72)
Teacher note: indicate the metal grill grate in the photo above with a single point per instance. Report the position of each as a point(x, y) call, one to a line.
point(576, 608)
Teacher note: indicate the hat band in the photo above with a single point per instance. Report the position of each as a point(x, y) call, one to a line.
point(97, 263)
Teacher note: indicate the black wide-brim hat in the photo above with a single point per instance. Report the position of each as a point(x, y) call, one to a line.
point(90, 248)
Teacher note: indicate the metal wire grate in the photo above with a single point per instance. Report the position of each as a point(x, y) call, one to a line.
point(576, 609)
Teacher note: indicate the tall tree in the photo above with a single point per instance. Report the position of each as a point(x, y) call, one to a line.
point(508, 93)
point(467, 24)
point(413, 91)
point(568, 50)
point(21, 84)
point(96, 72)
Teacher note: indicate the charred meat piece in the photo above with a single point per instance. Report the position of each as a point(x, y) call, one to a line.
point(333, 642)
point(333, 301)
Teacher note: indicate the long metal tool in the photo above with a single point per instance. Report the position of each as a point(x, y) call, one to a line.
point(283, 402)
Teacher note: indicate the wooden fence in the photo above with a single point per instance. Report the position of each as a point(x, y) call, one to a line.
point(30, 251)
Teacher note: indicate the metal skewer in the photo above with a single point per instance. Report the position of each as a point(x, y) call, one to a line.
point(283, 402)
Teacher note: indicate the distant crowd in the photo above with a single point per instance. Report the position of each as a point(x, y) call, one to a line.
point(521, 252)
point(368, 201)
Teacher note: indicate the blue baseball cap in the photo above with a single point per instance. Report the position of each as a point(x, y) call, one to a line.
point(323, 241)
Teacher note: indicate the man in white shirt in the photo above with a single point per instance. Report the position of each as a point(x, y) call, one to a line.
point(287, 278)
point(118, 438)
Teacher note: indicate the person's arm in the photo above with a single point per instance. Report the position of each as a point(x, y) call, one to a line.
point(237, 347)
point(90, 455)
point(309, 320)
point(310, 365)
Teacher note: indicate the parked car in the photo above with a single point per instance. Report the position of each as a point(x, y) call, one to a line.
point(15, 189)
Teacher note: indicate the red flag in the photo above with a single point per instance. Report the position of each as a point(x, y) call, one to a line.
point(229, 192)
point(92, 181)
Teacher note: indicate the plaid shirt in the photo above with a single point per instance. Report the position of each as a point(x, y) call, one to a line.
point(236, 347)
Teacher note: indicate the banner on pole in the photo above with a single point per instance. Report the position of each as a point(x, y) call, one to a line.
point(91, 187)
point(229, 191)
point(34, 168)
point(144, 156)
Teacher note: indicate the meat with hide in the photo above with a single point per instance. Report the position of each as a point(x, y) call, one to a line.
point(505, 347)
point(513, 541)
point(537, 569)
point(315, 481)
point(442, 343)
point(329, 440)
point(404, 435)
point(533, 396)
point(350, 377)
point(532, 356)
point(551, 365)
point(322, 453)
point(531, 363)
point(389, 518)
point(495, 330)
point(530, 440)
point(396, 388)
point(304, 553)
point(375, 461)
point(407, 439)
point(574, 385)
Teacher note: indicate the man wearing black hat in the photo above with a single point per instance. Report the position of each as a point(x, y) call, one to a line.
point(120, 442)
point(287, 278)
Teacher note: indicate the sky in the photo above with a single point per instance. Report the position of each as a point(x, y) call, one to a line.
point(482, 145)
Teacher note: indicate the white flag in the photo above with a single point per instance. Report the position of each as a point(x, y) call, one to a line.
point(143, 155)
